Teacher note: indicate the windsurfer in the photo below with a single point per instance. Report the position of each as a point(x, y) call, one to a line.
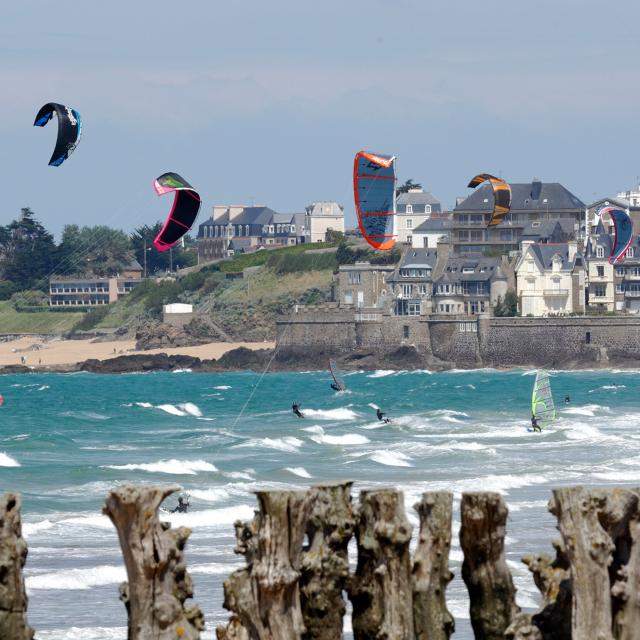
point(534, 424)
point(567, 399)
point(335, 387)
point(381, 416)
point(295, 407)
point(182, 506)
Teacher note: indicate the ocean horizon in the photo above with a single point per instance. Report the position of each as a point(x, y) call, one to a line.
point(66, 439)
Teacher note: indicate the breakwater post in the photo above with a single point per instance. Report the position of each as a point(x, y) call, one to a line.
point(293, 589)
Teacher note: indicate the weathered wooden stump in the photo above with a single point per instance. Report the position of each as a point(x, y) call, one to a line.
point(13, 555)
point(153, 554)
point(431, 575)
point(492, 594)
point(264, 597)
point(381, 590)
point(325, 562)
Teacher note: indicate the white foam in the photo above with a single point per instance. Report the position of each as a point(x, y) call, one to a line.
point(288, 443)
point(222, 387)
point(175, 467)
point(346, 439)
point(618, 476)
point(381, 373)
point(91, 520)
point(181, 371)
point(298, 471)
point(77, 579)
point(225, 516)
point(587, 410)
point(191, 409)
point(330, 414)
point(144, 405)
point(7, 461)
point(169, 408)
point(390, 458)
point(214, 568)
point(209, 495)
point(31, 528)
point(85, 633)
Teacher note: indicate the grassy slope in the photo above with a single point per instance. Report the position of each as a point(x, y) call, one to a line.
point(42, 322)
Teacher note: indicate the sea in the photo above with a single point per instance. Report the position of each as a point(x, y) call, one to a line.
point(67, 439)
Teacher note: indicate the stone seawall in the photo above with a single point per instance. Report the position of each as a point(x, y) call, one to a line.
point(590, 341)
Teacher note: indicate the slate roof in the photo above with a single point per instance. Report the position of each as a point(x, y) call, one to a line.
point(545, 253)
point(250, 215)
point(453, 270)
point(528, 196)
point(417, 197)
point(548, 229)
point(435, 224)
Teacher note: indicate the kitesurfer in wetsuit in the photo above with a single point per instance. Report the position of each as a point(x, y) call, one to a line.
point(295, 407)
point(181, 507)
point(335, 387)
point(381, 416)
point(567, 399)
point(534, 424)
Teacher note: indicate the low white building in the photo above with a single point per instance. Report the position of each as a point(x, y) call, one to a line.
point(177, 314)
point(550, 279)
point(432, 231)
point(412, 209)
point(321, 217)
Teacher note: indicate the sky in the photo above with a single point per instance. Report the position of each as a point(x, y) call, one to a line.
point(267, 102)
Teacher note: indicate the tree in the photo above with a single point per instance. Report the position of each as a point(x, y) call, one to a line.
point(409, 184)
point(160, 261)
point(507, 308)
point(28, 252)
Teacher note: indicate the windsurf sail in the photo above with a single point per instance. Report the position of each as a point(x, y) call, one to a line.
point(374, 192)
point(335, 374)
point(542, 406)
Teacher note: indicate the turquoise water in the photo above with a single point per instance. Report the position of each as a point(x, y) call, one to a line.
point(66, 439)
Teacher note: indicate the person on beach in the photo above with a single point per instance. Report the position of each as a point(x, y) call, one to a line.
point(181, 507)
point(381, 416)
point(295, 407)
point(534, 424)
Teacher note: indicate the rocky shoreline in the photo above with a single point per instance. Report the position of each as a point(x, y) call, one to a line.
point(296, 359)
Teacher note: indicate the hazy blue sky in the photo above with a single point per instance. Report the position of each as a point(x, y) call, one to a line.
point(269, 101)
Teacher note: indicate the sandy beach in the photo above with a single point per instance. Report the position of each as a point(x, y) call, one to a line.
point(68, 352)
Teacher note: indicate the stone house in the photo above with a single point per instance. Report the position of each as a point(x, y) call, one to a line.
point(550, 279)
point(469, 286)
point(411, 285)
point(530, 202)
point(364, 285)
point(412, 209)
point(600, 278)
point(430, 232)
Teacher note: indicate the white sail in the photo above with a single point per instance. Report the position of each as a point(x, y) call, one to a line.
point(542, 405)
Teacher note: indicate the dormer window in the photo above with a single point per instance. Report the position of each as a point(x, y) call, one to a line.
point(599, 252)
point(427, 208)
point(409, 210)
point(630, 252)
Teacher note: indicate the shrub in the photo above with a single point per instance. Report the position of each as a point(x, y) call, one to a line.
point(91, 319)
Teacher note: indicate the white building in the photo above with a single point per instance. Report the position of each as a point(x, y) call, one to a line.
point(321, 217)
point(432, 231)
point(412, 209)
point(550, 279)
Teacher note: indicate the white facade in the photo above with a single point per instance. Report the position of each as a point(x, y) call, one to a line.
point(178, 308)
point(632, 196)
point(548, 289)
point(321, 217)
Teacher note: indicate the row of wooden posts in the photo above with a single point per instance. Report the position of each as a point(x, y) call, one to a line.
point(292, 589)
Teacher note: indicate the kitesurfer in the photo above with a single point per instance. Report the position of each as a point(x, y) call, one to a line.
point(335, 387)
point(295, 407)
point(1, 400)
point(534, 424)
point(567, 399)
point(182, 506)
point(381, 416)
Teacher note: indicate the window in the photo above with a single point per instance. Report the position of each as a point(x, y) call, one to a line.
point(353, 277)
point(410, 239)
point(600, 291)
point(406, 290)
point(427, 208)
point(600, 272)
point(409, 221)
point(409, 210)
point(599, 252)
point(423, 289)
point(348, 297)
point(619, 288)
point(620, 271)
point(468, 327)
point(587, 337)
point(413, 309)
point(405, 331)
point(630, 252)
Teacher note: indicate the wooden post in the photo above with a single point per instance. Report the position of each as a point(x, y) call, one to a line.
point(484, 569)
point(381, 590)
point(265, 596)
point(154, 557)
point(13, 555)
point(431, 573)
point(325, 563)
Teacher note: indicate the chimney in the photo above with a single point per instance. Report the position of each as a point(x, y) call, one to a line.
point(536, 188)
point(443, 250)
point(572, 247)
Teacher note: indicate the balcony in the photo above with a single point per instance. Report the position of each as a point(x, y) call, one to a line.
point(555, 293)
point(632, 294)
point(368, 317)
